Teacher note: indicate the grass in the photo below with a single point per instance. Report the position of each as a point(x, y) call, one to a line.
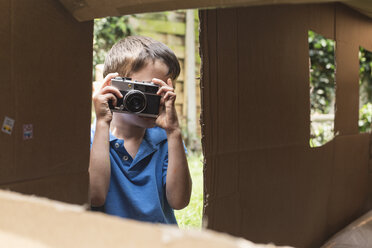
point(191, 216)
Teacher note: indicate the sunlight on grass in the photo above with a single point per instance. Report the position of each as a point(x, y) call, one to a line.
point(191, 216)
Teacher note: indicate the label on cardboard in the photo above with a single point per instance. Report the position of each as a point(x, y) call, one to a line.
point(8, 125)
point(28, 131)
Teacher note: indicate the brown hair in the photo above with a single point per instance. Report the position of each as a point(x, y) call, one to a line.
point(133, 53)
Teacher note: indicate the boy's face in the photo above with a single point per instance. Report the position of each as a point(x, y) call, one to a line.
point(152, 70)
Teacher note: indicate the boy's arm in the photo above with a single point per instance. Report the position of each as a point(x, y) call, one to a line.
point(178, 180)
point(99, 163)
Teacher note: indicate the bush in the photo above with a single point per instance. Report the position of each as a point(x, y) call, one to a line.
point(365, 116)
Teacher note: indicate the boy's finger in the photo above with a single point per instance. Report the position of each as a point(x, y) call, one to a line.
point(159, 82)
point(108, 78)
point(112, 90)
point(164, 89)
point(169, 95)
point(111, 97)
point(162, 103)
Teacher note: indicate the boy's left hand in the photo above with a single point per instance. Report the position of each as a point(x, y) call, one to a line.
point(167, 118)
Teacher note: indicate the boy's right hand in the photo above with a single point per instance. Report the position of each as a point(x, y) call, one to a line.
point(101, 98)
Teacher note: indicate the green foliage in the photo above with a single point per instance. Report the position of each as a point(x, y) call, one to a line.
point(322, 86)
point(322, 76)
point(365, 90)
point(191, 216)
point(321, 51)
point(365, 76)
point(365, 116)
point(321, 133)
point(107, 31)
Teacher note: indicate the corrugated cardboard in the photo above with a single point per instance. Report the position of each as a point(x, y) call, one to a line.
point(84, 10)
point(34, 222)
point(356, 235)
point(46, 64)
point(262, 180)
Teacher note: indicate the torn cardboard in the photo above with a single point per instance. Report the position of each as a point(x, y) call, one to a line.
point(356, 234)
point(262, 180)
point(39, 223)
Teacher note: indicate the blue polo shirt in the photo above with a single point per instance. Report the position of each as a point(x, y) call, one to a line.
point(137, 185)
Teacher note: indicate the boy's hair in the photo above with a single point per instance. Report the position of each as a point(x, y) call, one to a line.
point(133, 53)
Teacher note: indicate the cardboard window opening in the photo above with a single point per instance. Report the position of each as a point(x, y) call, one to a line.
point(322, 66)
point(365, 90)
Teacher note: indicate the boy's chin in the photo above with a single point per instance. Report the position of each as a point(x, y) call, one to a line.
point(147, 122)
point(139, 121)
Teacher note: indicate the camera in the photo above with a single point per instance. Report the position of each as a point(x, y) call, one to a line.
point(139, 98)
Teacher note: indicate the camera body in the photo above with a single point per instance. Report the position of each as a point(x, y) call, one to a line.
point(139, 98)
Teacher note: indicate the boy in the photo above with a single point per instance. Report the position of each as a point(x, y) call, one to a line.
point(138, 167)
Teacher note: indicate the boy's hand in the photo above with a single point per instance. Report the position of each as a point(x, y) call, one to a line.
point(167, 118)
point(101, 98)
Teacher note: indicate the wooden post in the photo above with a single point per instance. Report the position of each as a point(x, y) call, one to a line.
point(190, 74)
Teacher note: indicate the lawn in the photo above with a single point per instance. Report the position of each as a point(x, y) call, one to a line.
point(191, 216)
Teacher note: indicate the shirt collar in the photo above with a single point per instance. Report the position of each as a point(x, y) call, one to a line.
point(149, 145)
point(155, 135)
point(112, 137)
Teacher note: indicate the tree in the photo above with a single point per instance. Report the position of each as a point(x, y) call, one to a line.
point(107, 31)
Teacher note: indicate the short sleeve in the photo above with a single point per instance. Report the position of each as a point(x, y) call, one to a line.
point(92, 130)
point(165, 169)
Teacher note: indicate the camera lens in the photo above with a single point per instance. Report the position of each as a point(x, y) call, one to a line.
point(135, 101)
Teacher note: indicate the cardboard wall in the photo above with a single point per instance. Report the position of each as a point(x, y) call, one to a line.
point(262, 180)
point(45, 81)
point(84, 10)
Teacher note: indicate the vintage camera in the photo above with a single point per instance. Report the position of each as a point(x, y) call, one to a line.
point(139, 98)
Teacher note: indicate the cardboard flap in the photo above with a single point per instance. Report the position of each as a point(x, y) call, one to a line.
point(84, 10)
point(357, 234)
point(36, 222)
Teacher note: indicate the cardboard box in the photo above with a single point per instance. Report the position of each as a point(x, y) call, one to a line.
point(262, 180)
point(39, 223)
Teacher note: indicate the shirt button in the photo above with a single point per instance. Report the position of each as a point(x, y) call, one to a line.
point(125, 158)
point(117, 145)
